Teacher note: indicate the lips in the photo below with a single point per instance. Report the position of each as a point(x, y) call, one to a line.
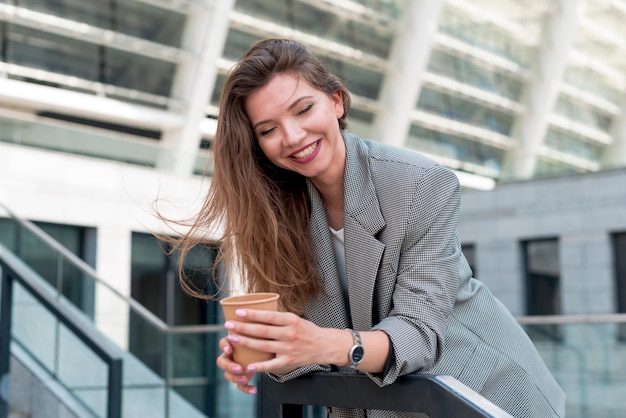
point(307, 153)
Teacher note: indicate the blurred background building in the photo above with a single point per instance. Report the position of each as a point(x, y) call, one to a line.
point(107, 112)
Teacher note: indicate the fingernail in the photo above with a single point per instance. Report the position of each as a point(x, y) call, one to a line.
point(240, 312)
point(229, 325)
point(242, 379)
point(252, 368)
point(237, 369)
point(252, 391)
point(233, 338)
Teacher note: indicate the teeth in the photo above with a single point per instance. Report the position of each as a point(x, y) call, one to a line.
point(306, 152)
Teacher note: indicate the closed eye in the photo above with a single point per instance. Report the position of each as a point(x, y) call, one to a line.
point(266, 132)
point(306, 109)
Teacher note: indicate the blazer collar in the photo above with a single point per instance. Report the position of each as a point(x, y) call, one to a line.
point(362, 221)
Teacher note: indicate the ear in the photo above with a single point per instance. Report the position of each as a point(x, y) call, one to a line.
point(337, 100)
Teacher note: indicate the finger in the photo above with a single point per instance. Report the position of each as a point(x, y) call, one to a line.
point(253, 330)
point(259, 343)
point(266, 317)
point(249, 389)
point(225, 346)
point(225, 362)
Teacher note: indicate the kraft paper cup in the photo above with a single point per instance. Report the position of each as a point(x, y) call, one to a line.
point(264, 301)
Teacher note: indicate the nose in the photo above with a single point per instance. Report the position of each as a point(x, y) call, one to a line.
point(293, 133)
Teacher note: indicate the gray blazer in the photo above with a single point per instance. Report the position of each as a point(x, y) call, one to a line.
point(408, 277)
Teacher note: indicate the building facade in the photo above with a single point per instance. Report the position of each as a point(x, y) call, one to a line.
point(108, 109)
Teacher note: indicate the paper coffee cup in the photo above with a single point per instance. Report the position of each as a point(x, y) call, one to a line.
point(263, 301)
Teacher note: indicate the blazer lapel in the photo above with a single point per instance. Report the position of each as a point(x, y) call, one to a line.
point(363, 220)
point(329, 308)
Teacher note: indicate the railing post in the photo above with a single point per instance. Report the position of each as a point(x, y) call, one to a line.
point(6, 303)
point(114, 407)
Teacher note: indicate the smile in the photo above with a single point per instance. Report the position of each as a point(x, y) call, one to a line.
point(306, 152)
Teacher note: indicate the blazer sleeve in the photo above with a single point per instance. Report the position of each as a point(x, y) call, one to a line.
point(427, 276)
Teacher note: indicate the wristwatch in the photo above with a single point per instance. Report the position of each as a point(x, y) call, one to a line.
point(356, 353)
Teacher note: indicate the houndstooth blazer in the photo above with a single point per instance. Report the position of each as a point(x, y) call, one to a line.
point(408, 277)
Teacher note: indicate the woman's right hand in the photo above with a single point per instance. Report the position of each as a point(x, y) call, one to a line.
point(234, 372)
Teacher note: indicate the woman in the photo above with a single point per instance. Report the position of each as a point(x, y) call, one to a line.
point(359, 239)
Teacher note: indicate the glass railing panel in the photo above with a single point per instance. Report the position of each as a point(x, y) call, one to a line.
point(43, 259)
point(77, 287)
point(588, 359)
point(82, 372)
point(192, 369)
point(148, 343)
point(168, 371)
point(35, 328)
point(140, 401)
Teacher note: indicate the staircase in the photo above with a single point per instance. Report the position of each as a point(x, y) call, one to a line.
point(68, 356)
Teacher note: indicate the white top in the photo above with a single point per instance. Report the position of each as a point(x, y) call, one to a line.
point(340, 256)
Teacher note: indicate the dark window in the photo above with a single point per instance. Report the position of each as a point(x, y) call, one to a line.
point(619, 261)
point(619, 267)
point(154, 283)
point(469, 250)
point(543, 294)
point(45, 261)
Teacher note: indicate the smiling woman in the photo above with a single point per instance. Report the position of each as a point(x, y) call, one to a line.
point(358, 238)
point(296, 129)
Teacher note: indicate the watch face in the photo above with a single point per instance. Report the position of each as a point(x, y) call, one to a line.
point(357, 354)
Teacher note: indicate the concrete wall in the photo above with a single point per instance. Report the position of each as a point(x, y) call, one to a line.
point(581, 211)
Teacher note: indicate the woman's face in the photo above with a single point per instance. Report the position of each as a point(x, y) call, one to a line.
point(297, 129)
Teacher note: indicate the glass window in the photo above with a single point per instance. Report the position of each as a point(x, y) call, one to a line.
point(130, 17)
point(45, 261)
point(543, 274)
point(619, 261)
point(47, 51)
point(469, 251)
point(467, 72)
point(462, 110)
point(237, 43)
point(593, 83)
point(451, 146)
point(142, 20)
point(311, 19)
point(584, 114)
point(488, 37)
point(619, 267)
point(137, 72)
point(545, 168)
point(154, 277)
point(360, 81)
point(572, 145)
point(154, 284)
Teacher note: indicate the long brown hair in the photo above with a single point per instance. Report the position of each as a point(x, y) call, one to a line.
point(263, 209)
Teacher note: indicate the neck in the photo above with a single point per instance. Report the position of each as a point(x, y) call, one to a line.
point(334, 208)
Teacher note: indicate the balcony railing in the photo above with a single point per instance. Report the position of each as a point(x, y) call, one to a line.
point(86, 343)
point(435, 396)
point(585, 353)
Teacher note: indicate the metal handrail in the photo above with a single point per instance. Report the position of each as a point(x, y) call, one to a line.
point(435, 396)
point(571, 319)
point(91, 272)
point(13, 269)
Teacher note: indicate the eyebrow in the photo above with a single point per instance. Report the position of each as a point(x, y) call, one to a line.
point(291, 106)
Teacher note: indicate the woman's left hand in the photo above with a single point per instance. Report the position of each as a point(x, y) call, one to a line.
point(295, 341)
